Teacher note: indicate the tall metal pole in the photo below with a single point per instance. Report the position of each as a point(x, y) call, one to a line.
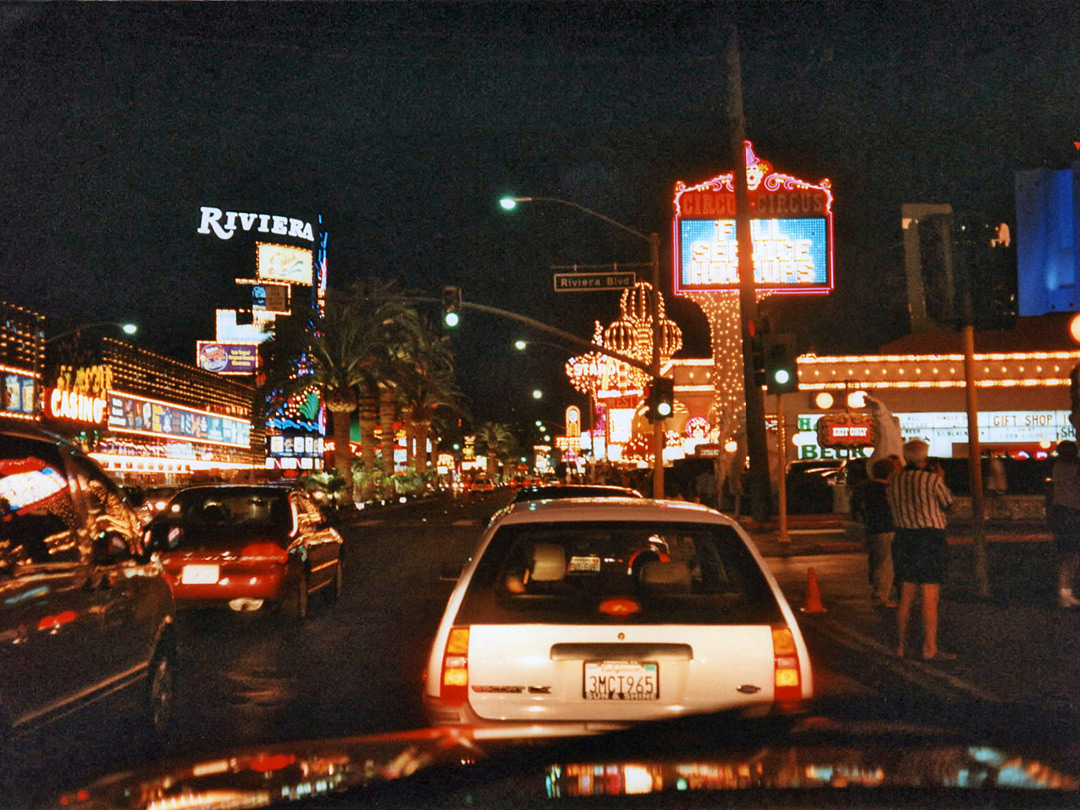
point(978, 528)
point(782, 535)
point(755, 407)
point(657, 342)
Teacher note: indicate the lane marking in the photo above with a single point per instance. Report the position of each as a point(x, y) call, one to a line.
point(921, 673)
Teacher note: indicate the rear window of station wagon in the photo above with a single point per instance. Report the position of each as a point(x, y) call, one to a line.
point(617, 573)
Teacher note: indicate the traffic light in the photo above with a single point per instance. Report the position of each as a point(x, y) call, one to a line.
point(660, 399)
point(781, 369)
point(451, 306)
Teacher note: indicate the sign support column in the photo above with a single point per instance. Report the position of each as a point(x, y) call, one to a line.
point(757, 448)
point(657, 336)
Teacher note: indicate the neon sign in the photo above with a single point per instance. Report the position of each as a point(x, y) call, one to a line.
point(790, 232)
point(131, 414)
point(210, 222)
point(73, 406)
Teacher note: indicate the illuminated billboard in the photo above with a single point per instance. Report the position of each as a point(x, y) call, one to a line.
point(228, 358)
point(790, 232)
point(19, 395)
point(132, 414)
point(291, 265)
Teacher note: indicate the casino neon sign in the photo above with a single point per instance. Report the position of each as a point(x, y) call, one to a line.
point(790, 230)
point(73, 406)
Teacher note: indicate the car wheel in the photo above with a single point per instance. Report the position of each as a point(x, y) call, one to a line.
point(161, 691)
point(333, 593)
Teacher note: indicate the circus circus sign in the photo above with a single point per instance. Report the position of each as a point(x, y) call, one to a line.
point(790, 228)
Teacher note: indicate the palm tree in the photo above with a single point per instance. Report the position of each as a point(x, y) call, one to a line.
point(344, 349)
point(431, 386)
point(498, 442)
point(322, 351)
point(393, 327)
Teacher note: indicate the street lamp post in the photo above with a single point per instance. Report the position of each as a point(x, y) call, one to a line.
point(127, 328)
point(509, 203)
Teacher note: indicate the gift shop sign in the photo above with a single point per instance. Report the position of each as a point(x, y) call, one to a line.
point(790, 232)
point(71, 406)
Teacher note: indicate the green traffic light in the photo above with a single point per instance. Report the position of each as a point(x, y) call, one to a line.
point(451, 319)
point(508, 203)
point(664, 408)
point(782, 376)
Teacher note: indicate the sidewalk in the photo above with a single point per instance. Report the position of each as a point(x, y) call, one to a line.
point(837, 534)
point(1015, 646)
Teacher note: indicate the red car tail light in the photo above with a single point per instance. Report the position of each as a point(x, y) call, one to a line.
point(265, 551)
point(787, 679)
point(454, 683)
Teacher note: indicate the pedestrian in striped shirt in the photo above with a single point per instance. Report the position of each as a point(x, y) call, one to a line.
point(918, 500)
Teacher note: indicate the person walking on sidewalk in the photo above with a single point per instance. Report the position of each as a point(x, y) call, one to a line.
point(877, 518)
point(918, 500)
point(1065, 519)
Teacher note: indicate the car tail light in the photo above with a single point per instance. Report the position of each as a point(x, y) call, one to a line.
point(455, 665)
point(787, 680)
point(265, 551)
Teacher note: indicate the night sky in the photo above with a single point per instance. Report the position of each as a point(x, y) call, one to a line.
point(403, 124)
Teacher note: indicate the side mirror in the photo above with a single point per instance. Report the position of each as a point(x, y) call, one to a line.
point(451, 572)
point(110, 548)
point(162, 537)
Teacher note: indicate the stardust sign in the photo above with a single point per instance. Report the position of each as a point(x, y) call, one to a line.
point(790, 229)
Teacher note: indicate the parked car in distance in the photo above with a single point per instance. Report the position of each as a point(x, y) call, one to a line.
point(558, 491)
point(85, 613)
point(810, 485)
point(157, 496)
point(245, 546)
point(586, 611)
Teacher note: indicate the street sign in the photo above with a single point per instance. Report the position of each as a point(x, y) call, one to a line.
point(591, 282)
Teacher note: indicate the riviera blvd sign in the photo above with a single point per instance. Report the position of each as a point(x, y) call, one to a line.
point(588, 282)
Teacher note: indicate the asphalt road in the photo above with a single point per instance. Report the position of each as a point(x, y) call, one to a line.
point(355, 667)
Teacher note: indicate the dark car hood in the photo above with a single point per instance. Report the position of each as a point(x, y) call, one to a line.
point(819, 748)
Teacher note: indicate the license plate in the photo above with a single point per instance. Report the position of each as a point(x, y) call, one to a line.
point(200, 574)
point(621, 680)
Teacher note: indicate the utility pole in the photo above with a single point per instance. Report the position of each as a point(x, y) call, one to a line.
point(755, 405)
point(978, 525)
point(657, 343)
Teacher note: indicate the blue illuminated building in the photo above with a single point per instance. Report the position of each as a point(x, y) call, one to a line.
point(1047, 221)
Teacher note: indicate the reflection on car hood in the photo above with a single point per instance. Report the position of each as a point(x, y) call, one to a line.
point(811, 749)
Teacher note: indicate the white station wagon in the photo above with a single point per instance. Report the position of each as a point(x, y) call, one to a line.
point(593, 611)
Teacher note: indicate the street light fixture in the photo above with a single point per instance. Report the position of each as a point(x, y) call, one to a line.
point(510, 203)
point(537, 393)
point(126, 328)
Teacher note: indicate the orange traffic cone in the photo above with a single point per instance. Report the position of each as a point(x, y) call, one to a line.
point(813, 594)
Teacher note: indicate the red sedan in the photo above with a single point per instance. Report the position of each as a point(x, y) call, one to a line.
point(245, 546)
